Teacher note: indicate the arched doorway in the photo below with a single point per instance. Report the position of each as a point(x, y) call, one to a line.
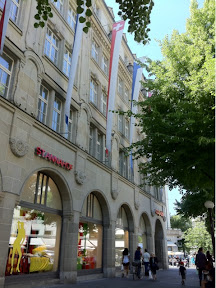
point(144, 233)
point(36, 228)
point(159, 243)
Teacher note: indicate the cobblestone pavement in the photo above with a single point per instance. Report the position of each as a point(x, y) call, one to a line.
point(165, 279)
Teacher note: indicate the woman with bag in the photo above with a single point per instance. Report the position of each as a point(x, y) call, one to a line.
point(153, 265)
point(125, 262)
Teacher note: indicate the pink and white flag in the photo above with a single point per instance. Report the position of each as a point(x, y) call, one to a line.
point(117, 32)
point(4, 23)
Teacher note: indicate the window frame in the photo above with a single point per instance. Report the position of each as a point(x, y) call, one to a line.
point(67, 61)
point(93, 95)
point(56, 48)
point(45, 101)
point(8, 72)
point(72, 16)
point(95, 51)
point(58, 112)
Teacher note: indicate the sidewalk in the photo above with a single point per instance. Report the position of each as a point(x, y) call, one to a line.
point(165, 279)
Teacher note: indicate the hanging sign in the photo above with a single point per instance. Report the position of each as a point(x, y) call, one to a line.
point(159, 213)
point(52, 158)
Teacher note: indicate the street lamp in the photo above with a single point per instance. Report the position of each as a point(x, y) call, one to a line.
point(210, 205)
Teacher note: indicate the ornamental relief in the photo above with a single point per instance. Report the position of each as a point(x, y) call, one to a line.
point(18, 147)
point(80, 177)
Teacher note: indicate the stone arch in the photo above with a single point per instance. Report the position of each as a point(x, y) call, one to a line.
point(148, 231)
point(88, 111)
point(159, 243)
point(130, 216)
point(62, 185)
point(30, 55)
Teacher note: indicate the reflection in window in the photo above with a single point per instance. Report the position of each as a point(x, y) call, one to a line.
point(13, 10)
point(51, 46)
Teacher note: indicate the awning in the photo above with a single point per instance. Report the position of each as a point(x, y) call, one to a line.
point(171, 244)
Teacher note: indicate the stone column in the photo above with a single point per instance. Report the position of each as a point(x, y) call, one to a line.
point(109, 250)
point(68, 263)
point(7, 204)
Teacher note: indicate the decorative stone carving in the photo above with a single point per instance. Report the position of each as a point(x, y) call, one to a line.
point(18, 147)
point(114, 193)
point(136, 205)
point(80, 177)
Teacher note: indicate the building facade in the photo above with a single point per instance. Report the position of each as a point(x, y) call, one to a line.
point(66, 210)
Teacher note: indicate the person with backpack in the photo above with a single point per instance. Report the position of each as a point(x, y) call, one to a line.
point(125, 262)
point(137, 258)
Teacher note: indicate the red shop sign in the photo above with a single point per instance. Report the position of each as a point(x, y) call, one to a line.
point(49, 157)
point(159, 213)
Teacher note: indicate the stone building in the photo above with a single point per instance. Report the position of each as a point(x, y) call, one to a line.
point(65, 210)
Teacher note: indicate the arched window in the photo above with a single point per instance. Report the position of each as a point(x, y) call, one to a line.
point(89, 255)
point(36, 228)
point(142, 235)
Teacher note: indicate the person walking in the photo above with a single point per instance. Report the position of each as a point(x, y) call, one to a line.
point(125, 262)
point(146, 257)
point(200, 262)
point(153, 265)
point(137, 258)
point(182, 272)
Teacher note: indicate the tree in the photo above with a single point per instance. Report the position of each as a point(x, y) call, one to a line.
point(197, 237)
point(136, 11)
point(178, 119)
point(179, 222)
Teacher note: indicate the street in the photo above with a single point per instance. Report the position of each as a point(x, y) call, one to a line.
point(165, 279)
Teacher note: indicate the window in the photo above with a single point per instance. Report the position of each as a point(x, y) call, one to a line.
point(96, 143)
point(95, 51)
point(70, 125)
point(91, 140)
point(96, 9)
point(93, 92)
point(123, 125)
point(6, 64)
point(13, 10)
point(126, 95)
point(99, 148)
point(56, 117)
point(103, 103)
point(59, 5)
point(42, 104)
point(126, 129)
point(51, 46)
point(104, 65)
point(71, 17)
point(67, 62)
point(120, 123)
point(120, 86)
point(124, 165)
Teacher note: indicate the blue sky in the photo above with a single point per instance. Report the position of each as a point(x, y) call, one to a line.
point(166, 16)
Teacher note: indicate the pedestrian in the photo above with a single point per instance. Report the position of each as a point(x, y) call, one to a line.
point(209, 261)
point(182, 272)
point(125, 262)
point(137, 259)
point(146, 257)
point(200, 262)
point(153, 265)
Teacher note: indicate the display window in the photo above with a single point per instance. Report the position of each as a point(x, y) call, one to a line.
point(90, 235)
point(121, 236)
point(36, 229)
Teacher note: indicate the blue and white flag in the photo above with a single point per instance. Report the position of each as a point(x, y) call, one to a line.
point(74, 61)
point(137, 74)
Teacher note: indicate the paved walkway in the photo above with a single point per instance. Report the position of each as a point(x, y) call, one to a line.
point(165, 279)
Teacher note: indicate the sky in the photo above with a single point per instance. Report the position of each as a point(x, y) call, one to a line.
point(166, 16)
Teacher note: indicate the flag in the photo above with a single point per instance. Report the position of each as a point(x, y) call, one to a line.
point(117, 32)
point(74, 61)
point(137, 74)
point(4, 23)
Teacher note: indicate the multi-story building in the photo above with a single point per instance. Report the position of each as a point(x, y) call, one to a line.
point(66, 210)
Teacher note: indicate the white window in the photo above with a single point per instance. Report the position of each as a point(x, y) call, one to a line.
point(51, 46)
point(96, 143)
point(95, 51)
point(126, 129)
point(42, 104)
point(120, 86)
point(13, 10)
point(123, 164)
point(103, 103)
point(91, 140)
point(70, 125)
point(6, 64)
point(93, 92)
point(56, 117)
point(126, 94)
point(120, 123)
point(104, 64)
point(71, 17)
point(67, 62)
point(59, 5)
point(99, 148)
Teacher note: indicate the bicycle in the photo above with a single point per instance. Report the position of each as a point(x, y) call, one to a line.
point(135, 269)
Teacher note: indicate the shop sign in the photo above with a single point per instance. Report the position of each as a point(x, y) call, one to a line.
point(159, 213)
point(50, 157)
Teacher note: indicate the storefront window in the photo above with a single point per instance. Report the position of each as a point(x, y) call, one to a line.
point(142, 235)
point(121, 236)
point(36, 228)
point(89, 246)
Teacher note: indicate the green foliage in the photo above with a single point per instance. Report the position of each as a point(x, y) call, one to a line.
point(136, 11)
point(178, 120)
point(179, 222)
point(197, 236)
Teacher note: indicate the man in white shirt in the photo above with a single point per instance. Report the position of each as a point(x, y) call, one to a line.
point(146, 257)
